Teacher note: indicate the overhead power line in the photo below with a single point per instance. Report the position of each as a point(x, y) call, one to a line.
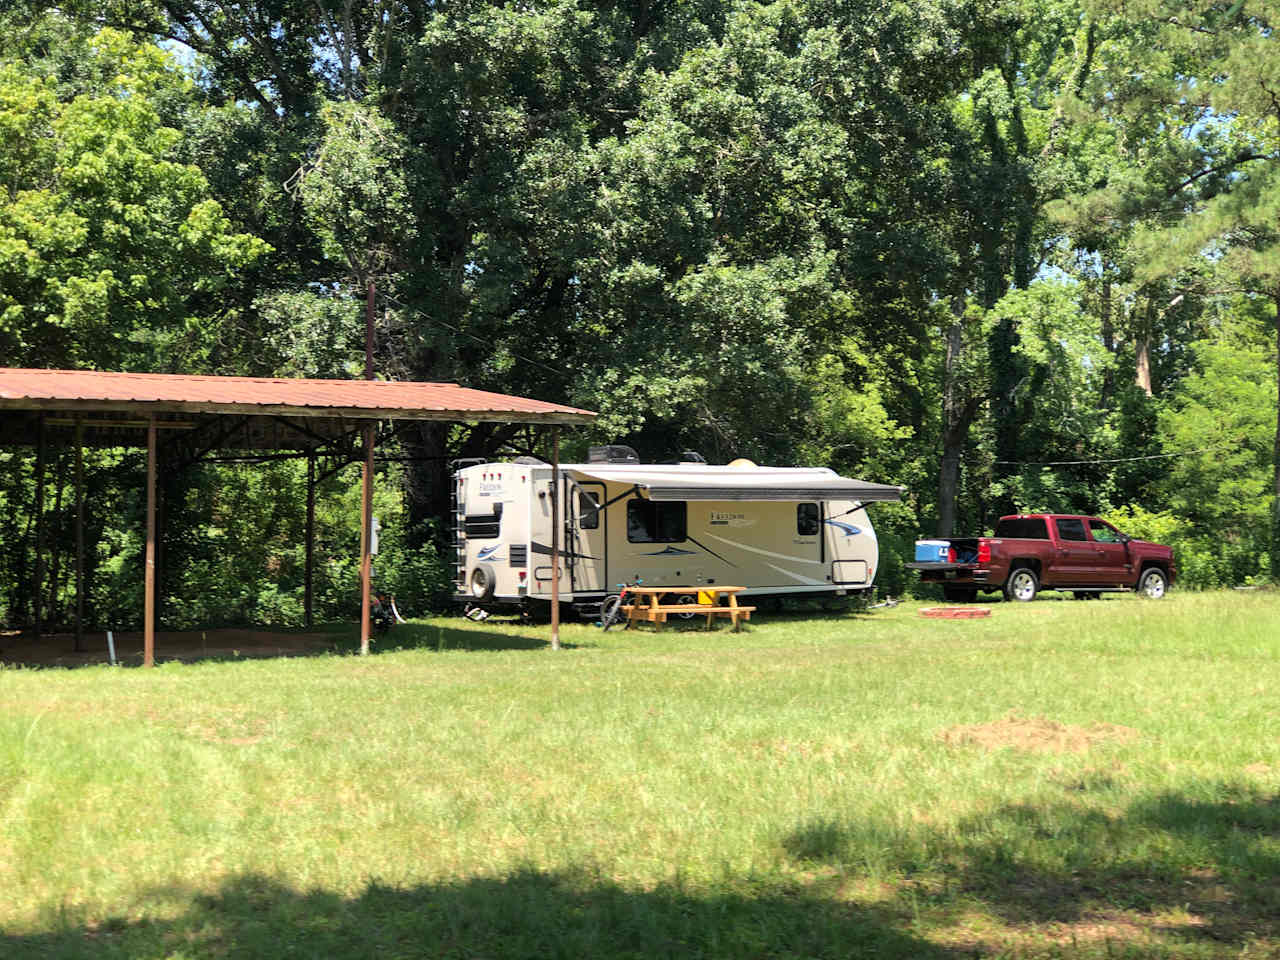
point(463, 333)
point(1079, 463)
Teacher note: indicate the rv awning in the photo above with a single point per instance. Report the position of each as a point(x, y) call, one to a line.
point(699, 482)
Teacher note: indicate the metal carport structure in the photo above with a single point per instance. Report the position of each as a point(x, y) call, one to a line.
point(199, 414)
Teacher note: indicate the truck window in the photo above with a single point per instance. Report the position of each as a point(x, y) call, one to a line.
point(1103, 532)
point(650, 521)
point(807, 519)
point(1023, 528)
point(1071, 529)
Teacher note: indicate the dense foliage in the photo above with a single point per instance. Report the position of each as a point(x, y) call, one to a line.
point(1013, 254)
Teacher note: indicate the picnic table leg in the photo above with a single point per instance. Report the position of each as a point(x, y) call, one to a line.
point(733, 603)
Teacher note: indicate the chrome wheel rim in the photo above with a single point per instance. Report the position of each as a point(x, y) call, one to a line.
point(1023, 587)
point(1153, 586)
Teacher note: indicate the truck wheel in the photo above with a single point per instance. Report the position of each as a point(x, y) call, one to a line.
point(1022, 585)
point(1153, 584)
point(959, 594)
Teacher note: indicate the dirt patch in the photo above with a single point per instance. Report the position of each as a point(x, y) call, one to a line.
point(58, 650)
point(1036, 735)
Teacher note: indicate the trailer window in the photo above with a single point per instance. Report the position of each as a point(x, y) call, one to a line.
point(1071, 530)
point(588, 511)
point(650, 521)
point(1023, 528)
point(807, 519)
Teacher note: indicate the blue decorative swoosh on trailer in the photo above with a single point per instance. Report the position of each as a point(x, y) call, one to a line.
point(673, 552)
point(488, 553)
point(849, 529)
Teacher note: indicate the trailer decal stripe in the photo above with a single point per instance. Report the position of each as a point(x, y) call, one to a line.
point(764, 553)
point(543, 550)
point(849, 529)
point(712, 552)
point(808, 581)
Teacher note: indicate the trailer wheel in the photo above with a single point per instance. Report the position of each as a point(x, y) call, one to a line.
point(1153, 583)
point(482, 582)
point(1022, 585)
point(686, 599)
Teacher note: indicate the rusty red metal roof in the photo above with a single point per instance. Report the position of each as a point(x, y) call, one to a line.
point(26, 389)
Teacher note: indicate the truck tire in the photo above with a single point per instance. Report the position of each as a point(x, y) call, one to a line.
point(1153, 584)
point(959, 594)
point(1022, 585)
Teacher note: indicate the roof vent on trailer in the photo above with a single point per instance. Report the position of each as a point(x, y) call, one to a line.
point(613, 453)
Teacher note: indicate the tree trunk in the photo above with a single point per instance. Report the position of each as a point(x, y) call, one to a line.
point(957, 417)
point(427, 482)
point(1275, 459)
point(952, 440)
point(55, 561)
point(1142, 359)
point(1108, 334)
point(1142, 352)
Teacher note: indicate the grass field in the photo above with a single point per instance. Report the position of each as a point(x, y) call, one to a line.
point(1063, 779)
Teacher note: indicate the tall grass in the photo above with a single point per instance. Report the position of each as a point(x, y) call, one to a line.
point(819, 786)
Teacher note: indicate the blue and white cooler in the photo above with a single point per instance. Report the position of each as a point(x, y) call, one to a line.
point(932, 551)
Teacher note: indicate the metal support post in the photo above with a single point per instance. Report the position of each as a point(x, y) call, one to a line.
point(555, 538)
point(149, 605)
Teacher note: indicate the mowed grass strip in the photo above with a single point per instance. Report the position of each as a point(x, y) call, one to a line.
point(1061, 779)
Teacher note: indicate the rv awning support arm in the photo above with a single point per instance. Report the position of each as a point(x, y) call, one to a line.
point(858, 505)
point(600, 508)
point(622, 496)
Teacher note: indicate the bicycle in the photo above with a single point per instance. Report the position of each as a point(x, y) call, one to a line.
point(611, 609)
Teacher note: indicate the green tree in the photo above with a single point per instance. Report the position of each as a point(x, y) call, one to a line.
point(1196, 90)
point(112, 252)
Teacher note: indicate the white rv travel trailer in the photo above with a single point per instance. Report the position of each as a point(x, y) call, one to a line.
point(777, 531)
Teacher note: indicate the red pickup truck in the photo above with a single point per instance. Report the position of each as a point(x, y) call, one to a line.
point(1030, 553)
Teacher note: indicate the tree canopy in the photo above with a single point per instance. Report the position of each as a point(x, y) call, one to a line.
point(1013, 255)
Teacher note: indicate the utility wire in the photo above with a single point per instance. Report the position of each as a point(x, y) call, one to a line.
point(1077, 463)
point(462, 333)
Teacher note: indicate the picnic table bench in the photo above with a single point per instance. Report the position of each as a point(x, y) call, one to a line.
point(649, 608)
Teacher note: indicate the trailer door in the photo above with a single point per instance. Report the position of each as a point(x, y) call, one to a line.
point(586, 548)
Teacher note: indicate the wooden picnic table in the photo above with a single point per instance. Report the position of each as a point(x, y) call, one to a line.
point(648, 606)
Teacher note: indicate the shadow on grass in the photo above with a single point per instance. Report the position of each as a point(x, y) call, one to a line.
point(1194, 870)
point(529, 914)
point(437, 636)
point(266, 644)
